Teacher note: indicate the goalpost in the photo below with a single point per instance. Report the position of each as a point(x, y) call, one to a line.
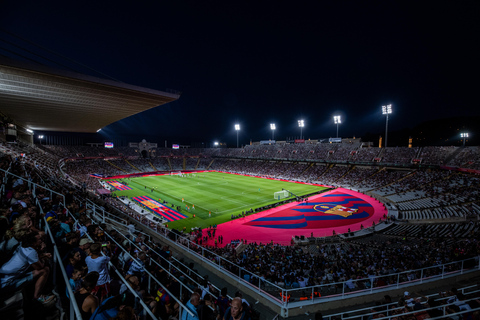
point(280, 195)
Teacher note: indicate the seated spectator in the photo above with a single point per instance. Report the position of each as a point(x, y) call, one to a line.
point(75, 280)
point(126, 313)
point(84, 247)
point(86, 301)
point(124, 259)
point(10, 242)
point(222, 302)
point(15, 273)
point(133, 282)
point(137, 268)
point(238, 294)
point(54, 213)
point(236, 311)
point(111, 307)
point(205, 311)
point(349, 284)
point(73, 259)
point(205, 286)
point(192, 307)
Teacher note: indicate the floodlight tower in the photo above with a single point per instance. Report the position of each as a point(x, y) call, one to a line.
point(272, 126)
point(386, 110)
point(337, 120)
point(237, 128)
point(40, 137)
point(464, 135)
point(301, 124)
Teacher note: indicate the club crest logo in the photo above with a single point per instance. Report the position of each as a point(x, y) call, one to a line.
point(335, 209)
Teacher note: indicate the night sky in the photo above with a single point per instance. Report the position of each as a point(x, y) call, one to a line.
point(261, 62)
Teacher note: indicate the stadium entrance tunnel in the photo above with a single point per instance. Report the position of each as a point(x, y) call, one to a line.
point(144, 154)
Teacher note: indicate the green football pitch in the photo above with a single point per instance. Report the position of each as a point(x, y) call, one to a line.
point(220, 194)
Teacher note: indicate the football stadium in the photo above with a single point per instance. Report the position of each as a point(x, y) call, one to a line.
point(287, 228)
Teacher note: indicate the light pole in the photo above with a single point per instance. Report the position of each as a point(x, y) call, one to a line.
point(40, 137)
point(237, 128)
point(301, 124)
point(272, 126)
point(464, 135)
point(386, 110)
point(337, 120)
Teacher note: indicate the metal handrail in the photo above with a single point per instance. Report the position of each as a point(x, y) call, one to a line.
point(57, 259)
point(171, 264)
point(385, 305)
point(152, 277)
point(394, 306)
point(283, 290)
point(411, 313)
point(110, 264)
point(35, 185)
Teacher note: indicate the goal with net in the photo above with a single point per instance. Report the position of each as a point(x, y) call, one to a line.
point(280, 195)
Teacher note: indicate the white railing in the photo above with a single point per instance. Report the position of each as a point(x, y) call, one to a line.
point(392, 310)
point(330, 291)
point(57, 260)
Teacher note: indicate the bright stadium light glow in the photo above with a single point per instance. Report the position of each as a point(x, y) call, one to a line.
point(40, 136)
point(215, 143)
point(99, 130)
point(464, 135)
point(237, 128)
point(30, 131)
point(337, 120)
point(386, 110)
point(273, 127)
point(301, 124)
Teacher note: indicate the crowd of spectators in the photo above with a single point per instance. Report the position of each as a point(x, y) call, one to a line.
point(440, 187)
point(436, 155)
point(366, 264)
point(349, 151)
point(399, 154)
point(356, 176)
point(468, 157)
point(97, 261)
point(87, 261)
point(415, 181)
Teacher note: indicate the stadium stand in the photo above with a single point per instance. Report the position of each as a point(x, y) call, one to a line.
point(153, 271)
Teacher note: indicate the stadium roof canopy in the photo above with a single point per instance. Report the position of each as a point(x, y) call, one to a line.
point(42, 98)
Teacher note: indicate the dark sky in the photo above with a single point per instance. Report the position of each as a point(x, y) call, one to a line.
point(258, 62)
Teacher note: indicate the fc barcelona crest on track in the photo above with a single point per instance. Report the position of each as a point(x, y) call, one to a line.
point(335, 209)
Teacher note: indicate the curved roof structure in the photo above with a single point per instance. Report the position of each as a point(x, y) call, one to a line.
point(41, 98)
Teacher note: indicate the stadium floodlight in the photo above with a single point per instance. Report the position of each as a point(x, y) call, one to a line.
point(99, 130)
point(301, 124)
point(386, 110)
point(40, 137)
point(337, 120)
point(29, 131)
point(216, 144)
point(464, 135)
point(237, 128)
point(273, 127)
